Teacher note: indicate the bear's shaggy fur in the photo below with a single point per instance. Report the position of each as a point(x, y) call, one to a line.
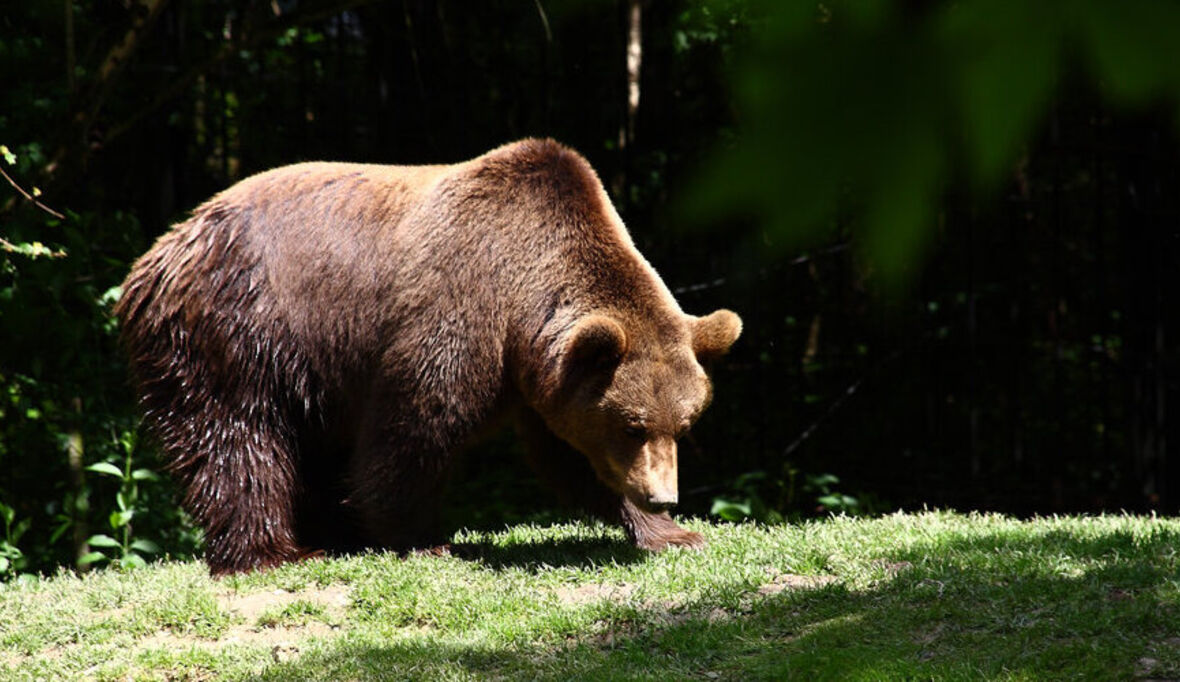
point(315, 344)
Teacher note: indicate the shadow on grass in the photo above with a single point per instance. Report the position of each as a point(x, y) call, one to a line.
point(1059, 604)
point(565, 552)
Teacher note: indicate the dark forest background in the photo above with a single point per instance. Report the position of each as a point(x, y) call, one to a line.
point(951, 229)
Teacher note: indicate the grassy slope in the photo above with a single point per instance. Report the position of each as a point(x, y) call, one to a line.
point(933, 595)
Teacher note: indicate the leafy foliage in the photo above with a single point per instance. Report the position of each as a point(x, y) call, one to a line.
point(866, 112)
point(757, 496)
point(12, 559)
point(63, 386)
point(130, 550)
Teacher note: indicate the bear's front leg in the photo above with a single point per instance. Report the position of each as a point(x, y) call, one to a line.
point(656, 532)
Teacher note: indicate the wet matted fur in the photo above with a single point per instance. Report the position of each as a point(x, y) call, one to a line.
point(314, 345)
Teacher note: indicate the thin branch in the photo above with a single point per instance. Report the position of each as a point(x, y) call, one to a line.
point(837, 404)
point(805, 258)
point(9, 247)
point(116, 59)
point(30, 197)
point(107, 75)
point(689, 288)
point(634, 61)
point(801, 260)
point(848, 393)
point(544, 21)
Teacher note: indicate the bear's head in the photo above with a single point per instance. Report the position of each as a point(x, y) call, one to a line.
point(631, 390)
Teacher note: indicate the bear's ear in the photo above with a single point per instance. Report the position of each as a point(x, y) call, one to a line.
point(596, 343)
point(713, 334)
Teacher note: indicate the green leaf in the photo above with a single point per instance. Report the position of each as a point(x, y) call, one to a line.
point(20, 529)
point(132, 560)
point(128, 439)
point(822, 480)
point(3, 565)
point(837, 501)
point(1009, 69)
point(121, 518)
point(110, 297)
point(145, 546)
point(899, 215)
point(730, 510)
point(144, 475)
point(100, 540)
point(1126, 41)
point(106, 468)
point(9, 157)
point(61, 528)
point(90, 558)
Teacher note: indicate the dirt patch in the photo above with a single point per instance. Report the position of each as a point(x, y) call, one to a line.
point(334, 599)
point(585, 594)
point(891, 568)
point(284, 640)
point(790, 581)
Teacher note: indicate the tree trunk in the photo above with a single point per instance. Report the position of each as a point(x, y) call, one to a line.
point(627, 127)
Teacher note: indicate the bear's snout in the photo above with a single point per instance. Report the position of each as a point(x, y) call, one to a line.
point(652, 479)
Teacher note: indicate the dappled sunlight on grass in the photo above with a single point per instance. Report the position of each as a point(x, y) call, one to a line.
point(938, 595)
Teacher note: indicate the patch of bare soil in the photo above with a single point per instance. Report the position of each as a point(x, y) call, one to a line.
point(892, 568)
point(585, 594)
point(284, 640)
point(251, 606)
point(789, 581)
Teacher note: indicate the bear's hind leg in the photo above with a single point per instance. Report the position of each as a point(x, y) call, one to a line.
point(241, 484)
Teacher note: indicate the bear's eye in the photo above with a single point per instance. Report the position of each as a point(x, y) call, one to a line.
point(635, 430)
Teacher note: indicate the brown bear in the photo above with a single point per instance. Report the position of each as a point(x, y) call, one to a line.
point(316, 343)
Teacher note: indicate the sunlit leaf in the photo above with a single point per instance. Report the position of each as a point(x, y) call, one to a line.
point(731, 510)
point(90, 558)
point(132, 560)
point(106, 468)
point(101, 540)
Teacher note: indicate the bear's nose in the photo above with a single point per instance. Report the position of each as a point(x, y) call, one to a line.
point(662, 502)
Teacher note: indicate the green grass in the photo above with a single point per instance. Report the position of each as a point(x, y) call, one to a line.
point(908, 596)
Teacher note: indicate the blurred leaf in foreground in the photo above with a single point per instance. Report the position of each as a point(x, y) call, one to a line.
point(858, 114)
